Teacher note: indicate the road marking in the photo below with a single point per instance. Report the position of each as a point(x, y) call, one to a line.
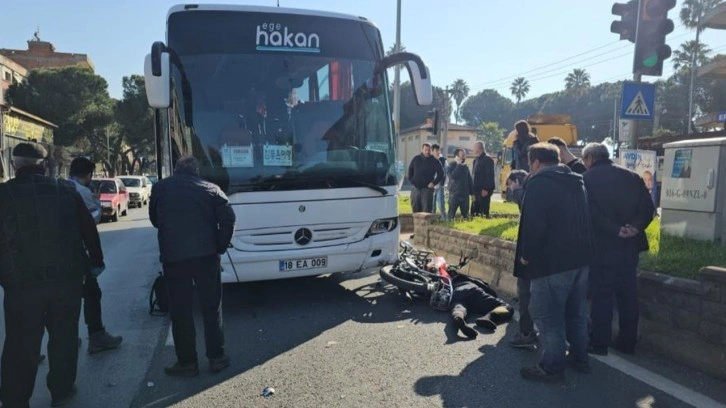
point(656, 381)
point(663, 384)
point(169, 338)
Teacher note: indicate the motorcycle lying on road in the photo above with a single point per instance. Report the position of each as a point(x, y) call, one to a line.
point(420, 272)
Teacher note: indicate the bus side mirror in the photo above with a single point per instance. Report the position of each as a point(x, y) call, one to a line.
point(156, 76)
point(421, 81)
point(417, 71)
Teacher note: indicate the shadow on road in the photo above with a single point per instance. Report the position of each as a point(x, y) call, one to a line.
point(266, 319)
point(493, 380)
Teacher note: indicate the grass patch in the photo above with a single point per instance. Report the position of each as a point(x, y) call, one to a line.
point(404, 206)
point(677, 256)
point(680, 257)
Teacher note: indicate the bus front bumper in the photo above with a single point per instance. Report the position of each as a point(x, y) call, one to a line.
point(367, 255)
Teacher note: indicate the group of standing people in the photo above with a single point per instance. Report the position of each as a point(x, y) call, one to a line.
point(430, 175)
point(582, 228)
point(51, 258)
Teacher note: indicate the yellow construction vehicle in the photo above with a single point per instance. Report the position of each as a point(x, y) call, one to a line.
point(545, 127)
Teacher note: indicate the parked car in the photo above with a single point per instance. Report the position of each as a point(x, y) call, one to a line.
point(113, 195)
point(139, 189)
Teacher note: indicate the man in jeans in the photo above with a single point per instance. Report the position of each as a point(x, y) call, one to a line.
point(439, 191)
point(554, 250)
point(424, 173)
point(195, 223)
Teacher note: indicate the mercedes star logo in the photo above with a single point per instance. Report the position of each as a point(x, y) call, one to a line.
point(301, 208)
point(303, 236)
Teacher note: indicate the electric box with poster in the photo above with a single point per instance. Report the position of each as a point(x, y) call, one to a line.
point(694, 189)
point(643, 162)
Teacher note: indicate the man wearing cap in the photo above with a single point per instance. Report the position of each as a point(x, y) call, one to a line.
point(49, 242)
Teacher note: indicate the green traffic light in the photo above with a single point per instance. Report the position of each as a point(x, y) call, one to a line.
point(650, 60)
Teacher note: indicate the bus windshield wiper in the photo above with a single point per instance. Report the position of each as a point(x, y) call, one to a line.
point(361, 183)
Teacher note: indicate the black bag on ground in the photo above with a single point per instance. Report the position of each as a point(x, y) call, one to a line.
point(158, 297)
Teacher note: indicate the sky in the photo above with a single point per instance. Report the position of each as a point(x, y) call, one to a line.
point(485, 42)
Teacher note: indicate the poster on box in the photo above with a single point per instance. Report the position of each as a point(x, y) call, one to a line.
point(643, 162)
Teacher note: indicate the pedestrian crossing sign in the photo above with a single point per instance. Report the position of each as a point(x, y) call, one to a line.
point(637, 101)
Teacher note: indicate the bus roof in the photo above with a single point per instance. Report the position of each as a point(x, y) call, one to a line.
point(263, 9)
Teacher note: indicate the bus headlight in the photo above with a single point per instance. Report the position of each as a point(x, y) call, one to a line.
point(383, 225)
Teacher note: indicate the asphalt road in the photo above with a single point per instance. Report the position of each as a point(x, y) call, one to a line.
point(336, 341)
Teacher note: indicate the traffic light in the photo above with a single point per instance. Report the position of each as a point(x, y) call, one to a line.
point(650, 47)
point(628, 13)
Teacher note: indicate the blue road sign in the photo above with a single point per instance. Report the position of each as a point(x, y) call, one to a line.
point(722, 116)
point(638, 101)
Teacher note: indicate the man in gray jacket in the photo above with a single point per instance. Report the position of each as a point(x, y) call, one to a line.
point(195, 223)
point(99, 339)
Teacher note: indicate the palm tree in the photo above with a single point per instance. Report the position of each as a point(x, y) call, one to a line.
point(577, 81)
point(459, 90)
point(393, 49)
point(683, 57)
point(692, 12)
point(519, 89)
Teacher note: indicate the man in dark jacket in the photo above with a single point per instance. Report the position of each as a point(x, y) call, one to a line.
point(566, 156)
point(46, 240)
point(483, 183)
point(459, 184)
point(621, 209)
point(554, 251)
point(472, 295)
point(195, 223)
point(424, 173)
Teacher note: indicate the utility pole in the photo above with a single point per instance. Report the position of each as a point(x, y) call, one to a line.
point(397, 86)
point(108, 154)
point(693, 75)
point(616, 124)
point(634, 123)
point(445, 117)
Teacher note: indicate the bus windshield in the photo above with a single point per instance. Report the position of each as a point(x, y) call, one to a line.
point(276, 101)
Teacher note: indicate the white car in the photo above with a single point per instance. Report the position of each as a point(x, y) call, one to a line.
point(139, 188)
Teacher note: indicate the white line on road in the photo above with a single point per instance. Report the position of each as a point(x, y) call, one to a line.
point(659, 382)
point(665, 385)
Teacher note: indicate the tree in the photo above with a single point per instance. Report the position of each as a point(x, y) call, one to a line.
point(683, 58)
point(692, 12)
point(492, 135)
point(578, 80)
point(519, 89)
point(488, 106)
point(459, 90)
point(136, 122)
point(73, 98)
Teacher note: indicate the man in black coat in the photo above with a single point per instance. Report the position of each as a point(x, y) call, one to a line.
point(459, 184)
point(483, 183)
point(47, 238)
point(424, 173)
point(621, 209)
point(195, 223)
point(554, 252)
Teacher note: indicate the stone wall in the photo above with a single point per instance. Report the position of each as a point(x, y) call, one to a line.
point(682, 319)
point(406, 221)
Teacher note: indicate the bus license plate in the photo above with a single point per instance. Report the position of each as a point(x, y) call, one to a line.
point(301, 264)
